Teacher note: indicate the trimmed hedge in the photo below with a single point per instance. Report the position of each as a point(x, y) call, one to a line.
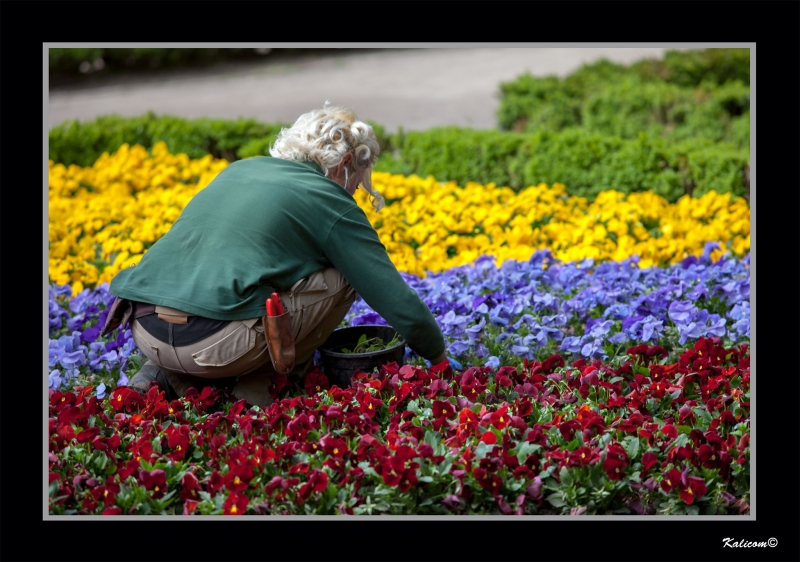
point(585, 162)
point(688, 94)
point(82, 143)
point(79, 143)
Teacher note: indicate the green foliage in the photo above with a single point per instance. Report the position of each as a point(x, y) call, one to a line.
point(369, 345)
point(689, 94)
point(79, 143)
point(585, 162)
point(692, 68)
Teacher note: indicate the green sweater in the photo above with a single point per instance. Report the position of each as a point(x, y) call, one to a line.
point(261, 225)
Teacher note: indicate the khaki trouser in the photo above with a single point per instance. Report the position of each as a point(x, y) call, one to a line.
point(317, 304)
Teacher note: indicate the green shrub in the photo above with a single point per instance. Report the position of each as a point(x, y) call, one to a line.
point(688, 94)
point(660, 108)
point(694, 67)
point(79, 143)
point(585, 162)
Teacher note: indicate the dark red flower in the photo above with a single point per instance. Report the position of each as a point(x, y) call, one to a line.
point(113, 510)
point(671, 480)
point(471, 387)
point(649, 460)
point(317, 482)
point(568, 429)
point(489, 438)
point(277, 483)
point(333, 446)
point(126, 398)
point(202, 400)
point(708, 456)
point(298, 428)
point(583, 456)
point(64, 435)
point(155, 481)
point(695, 488)
point(438, 386)
point(59, 401)
point(126, 470)
point(107, 444)
point(332, 412)
point(369, 405)
point(392, 470)
point(442, 409)
point(316, 381)
point(236, 504)
point(106, 493)
point(488, 480)
point(189, 487)
point(88, 434)
point(178, 441)
point(616, 461)
point(670, 431)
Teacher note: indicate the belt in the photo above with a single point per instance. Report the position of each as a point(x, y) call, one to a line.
point(172, 315)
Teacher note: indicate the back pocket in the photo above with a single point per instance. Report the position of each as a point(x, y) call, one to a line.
point(227, 350)
point(143, 340)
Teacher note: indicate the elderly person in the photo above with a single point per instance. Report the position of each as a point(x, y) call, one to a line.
point(287, 224)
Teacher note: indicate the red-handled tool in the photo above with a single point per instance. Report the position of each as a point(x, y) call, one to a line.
point(278, 304)
point(274, 305)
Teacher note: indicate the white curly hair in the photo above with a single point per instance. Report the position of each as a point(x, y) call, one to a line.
point(324, 136)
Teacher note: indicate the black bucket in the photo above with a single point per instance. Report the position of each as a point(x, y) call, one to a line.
point(339, 367)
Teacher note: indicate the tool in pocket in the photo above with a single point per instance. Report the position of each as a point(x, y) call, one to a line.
point(278, 331)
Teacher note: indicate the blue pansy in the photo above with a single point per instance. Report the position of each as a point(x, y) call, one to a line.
point(682, 312)
point(571, 344)
point(54, 379)
point(473, 332)
point(493, 362)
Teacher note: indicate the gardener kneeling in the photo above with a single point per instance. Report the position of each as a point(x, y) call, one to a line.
point(287, 225)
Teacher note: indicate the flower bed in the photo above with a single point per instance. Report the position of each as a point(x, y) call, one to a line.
point(627, 394)
point(591, 373)
point(637, 435)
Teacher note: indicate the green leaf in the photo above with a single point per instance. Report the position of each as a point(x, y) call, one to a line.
point(444, 467)
point(702, 414)
point(564, 476)
point(555, 500)
point(100, 462)
point(681, 441)
point(631, 446)
point(481, 450)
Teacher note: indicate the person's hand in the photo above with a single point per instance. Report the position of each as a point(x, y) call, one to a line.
point(453, 363)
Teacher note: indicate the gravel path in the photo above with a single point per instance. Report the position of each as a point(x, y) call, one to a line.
point(413, 88)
